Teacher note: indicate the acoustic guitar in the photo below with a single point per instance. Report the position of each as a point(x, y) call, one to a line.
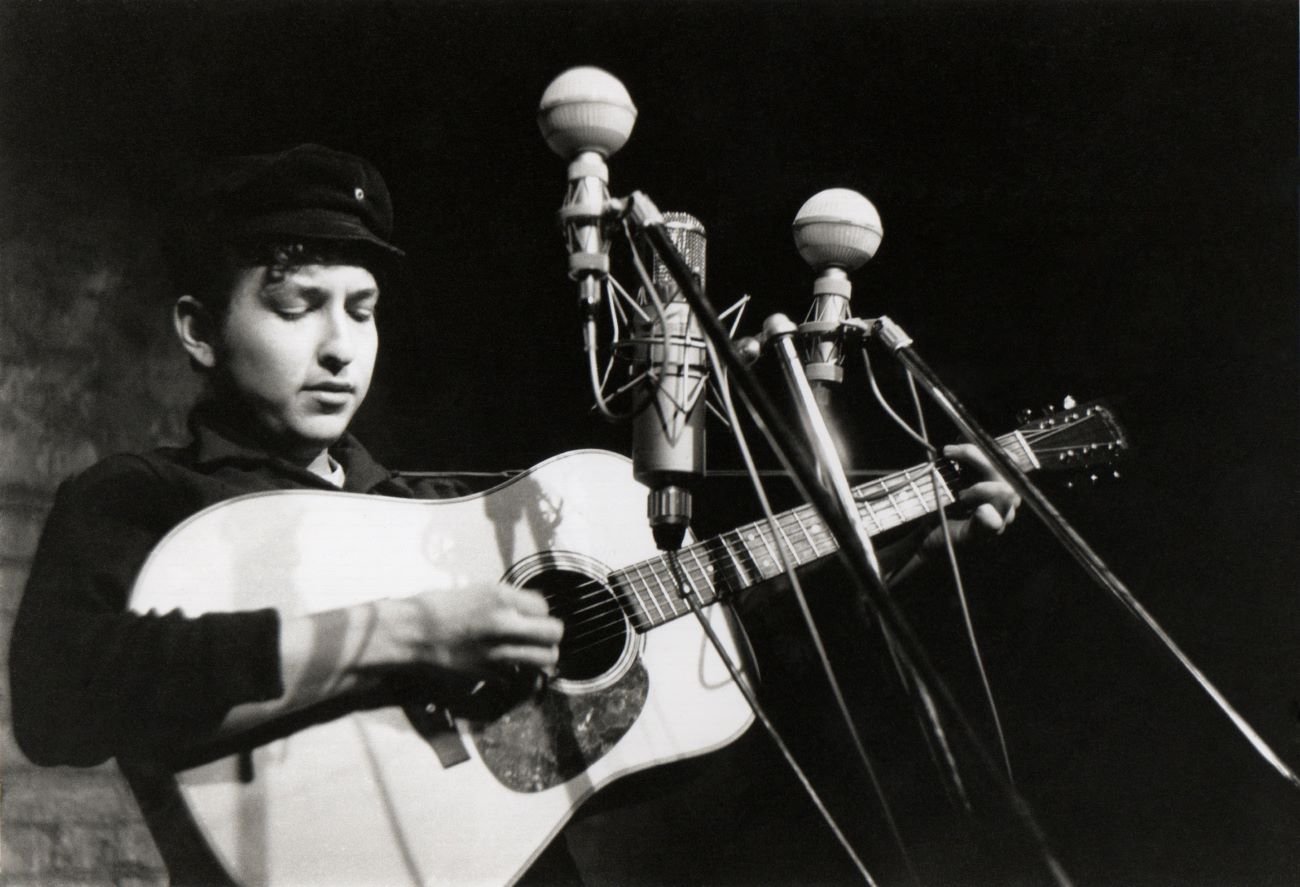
point(416, 794)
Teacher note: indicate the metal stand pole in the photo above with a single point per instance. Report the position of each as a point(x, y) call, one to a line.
point(648, 220)
point(900, 344)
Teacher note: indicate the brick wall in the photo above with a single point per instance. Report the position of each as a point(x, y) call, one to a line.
point(88, 366)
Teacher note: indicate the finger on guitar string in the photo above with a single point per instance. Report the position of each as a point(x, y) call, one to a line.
point(527, 628)
point(987, 521)
point(542, 658)
point(525, 600)
point(995, 493)
point(456, 628)
point(972, 458)
point(987, 507)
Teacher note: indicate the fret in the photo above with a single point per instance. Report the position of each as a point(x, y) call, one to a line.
point(746, 536)
point(655, 591)
point(807, 535)
point(741, 572)
point(893, 503)
point(773, 559)
point(944, 494)
point(920, 494)
point(670, 593)
point(794, 555)
point(814, 529)
point(866, 503)
point(818, 529)
point(649, 591)
point(676, 589)
point(705, 581)
point(907, 495)
point(725, 579)
point(642, 611)
point(1025, 460)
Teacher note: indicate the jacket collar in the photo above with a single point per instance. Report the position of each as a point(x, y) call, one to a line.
point(220, 438)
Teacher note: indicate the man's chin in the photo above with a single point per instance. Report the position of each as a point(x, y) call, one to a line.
point(309, 437)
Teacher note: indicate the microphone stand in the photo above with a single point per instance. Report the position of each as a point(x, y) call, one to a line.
point(780, 331)
point(900, 344)
point(647, 220)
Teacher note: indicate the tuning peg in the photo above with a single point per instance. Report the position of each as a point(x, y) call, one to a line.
point(1069, 403)
point(1024, 415)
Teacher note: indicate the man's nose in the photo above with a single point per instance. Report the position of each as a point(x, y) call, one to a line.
point(338, 342)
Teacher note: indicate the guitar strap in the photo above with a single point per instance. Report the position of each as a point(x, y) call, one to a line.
point(438, 728)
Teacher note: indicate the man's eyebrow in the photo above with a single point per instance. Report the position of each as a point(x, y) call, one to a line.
point(320, 292)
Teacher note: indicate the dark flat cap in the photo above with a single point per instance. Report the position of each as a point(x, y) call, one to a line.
point(307, 192)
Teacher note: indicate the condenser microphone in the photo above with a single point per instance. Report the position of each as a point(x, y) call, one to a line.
point(671, 402)
point(585, 116)
point(836, 231)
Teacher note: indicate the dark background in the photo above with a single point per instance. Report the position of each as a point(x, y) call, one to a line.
point(1087, 198)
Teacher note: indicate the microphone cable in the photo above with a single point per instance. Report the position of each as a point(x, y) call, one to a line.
point(796, 587)
point(921, 435)
point(687, 592)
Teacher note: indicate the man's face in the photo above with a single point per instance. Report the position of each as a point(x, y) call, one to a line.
point(299, 351)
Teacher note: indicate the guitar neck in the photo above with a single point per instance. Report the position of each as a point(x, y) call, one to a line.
point(750, 554)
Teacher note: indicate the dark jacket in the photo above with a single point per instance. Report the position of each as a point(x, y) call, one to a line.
point(91, 680)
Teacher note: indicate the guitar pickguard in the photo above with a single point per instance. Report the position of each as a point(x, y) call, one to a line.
point(557, 732)
point(553, 736)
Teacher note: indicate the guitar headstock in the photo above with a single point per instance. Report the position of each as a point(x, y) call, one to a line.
point(1074, 437)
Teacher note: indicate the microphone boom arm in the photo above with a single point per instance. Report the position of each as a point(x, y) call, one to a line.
point(900, 345)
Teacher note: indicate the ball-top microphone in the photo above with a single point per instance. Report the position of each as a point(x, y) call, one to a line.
point(836, 231)
point(585, 116)
point(668, 428)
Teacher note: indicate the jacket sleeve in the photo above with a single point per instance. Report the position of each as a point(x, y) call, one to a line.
point(90, 680)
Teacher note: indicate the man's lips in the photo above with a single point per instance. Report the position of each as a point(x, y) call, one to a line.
point(331, 388)
point(331, 396)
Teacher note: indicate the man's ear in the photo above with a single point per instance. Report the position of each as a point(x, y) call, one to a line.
point(196, 328)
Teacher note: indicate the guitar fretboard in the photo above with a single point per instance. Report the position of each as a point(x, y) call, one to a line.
point(748, 555)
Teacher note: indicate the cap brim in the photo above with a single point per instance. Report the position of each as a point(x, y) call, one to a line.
point(316, 224)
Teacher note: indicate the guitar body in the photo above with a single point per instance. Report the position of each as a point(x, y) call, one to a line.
point(366, 798)
point(409, 795)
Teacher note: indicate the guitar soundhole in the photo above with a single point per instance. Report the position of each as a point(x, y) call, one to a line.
point(595, 629)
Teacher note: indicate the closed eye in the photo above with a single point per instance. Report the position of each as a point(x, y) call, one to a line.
point(362, 306)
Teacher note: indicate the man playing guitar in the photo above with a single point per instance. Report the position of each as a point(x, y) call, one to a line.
point(280, 266)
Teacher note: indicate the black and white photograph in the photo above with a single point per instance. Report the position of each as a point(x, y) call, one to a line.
point(649, 442)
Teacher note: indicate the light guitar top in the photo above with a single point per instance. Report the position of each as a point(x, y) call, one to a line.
point(412, 795)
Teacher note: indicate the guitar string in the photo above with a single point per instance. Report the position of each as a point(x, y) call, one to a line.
point(899, 482)
point(595, 630)
point(595, 633)
point(898, 488)
point(791, 522)
point(793, 527)
point(790, 525)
